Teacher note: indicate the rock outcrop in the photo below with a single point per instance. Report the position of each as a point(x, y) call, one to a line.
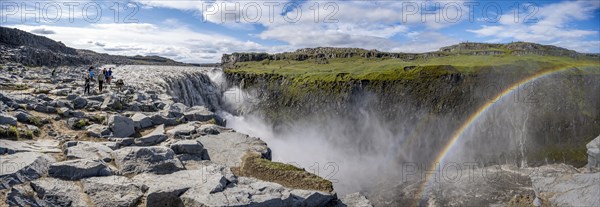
point(135, 160)
point(563, 185)
point(87, 150)
point(78, 169)
point(23, 167)
point(121, 126)
point(153, 138)
point(112, 191)
point(593, 151)
point(230, 147)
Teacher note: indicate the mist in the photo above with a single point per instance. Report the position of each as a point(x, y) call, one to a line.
point(354, 153)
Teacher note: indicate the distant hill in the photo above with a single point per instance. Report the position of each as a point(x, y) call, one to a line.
point(18, 46)
point(323, 54)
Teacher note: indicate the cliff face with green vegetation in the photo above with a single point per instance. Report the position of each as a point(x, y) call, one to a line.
point(444, 87)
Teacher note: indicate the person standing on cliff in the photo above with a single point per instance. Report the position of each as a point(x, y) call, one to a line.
point(91, 72)
point(87, 83)
point(109, 76)
point(101, 80)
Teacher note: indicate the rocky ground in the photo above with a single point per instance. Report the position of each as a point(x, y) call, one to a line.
point(135, 146)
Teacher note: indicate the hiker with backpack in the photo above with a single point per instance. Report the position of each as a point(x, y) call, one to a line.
point(101, 78)
point(109, 76)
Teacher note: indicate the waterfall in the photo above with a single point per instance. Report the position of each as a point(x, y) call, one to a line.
point(188, 85)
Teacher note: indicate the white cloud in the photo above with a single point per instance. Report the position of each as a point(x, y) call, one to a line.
point(42, 31)
point(551, 25)
point(179, 43)
point(367, 24)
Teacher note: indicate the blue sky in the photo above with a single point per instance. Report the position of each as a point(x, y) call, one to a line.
point(201, 31)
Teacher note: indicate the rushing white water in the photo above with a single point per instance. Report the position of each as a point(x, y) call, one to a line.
point(188, 85)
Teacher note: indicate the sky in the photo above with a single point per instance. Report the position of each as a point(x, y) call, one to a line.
point(201, 31)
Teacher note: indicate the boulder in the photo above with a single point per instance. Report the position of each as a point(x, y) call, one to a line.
point(566, 189)
point(253, 192)
point(112, 191)
point(60, 92)
point(111, 145)
point(22, 167)
point(97, 130)
point(354, 200)
point(182, 130)
point(93, 105)
point(89, 150)
point(228, 147)
point(65, 104)
point(209, 129)
point(134, 160)
point(75, 123)
point(111, 101)
point(78, 169)
point(124, 142)
point(141, 121)
point(187, 147)
point(155, 137)
point(23, 195)
point(175, 110)
point(43, 97)
point(159, 119)
point(6, 119)
point(593, 151)
point(79, 103)
point(198, 113)
point(56, 192)
point(121, 126)
point(44, 108)
point(22, 116)
point(98, 98)
point(71, 97)
point(164, 190)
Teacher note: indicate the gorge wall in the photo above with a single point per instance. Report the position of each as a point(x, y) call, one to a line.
point(424, 112)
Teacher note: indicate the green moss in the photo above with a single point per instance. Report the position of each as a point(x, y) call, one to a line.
point(211, 121)
point(28, 134)
point(97, 118)
point(11, 132)
point(276, 165)
point(82, 123)
point(20, 87)
point(576, 156)
point(118, 105)
point(35, 121)
point(287, 175)
point(393, 69)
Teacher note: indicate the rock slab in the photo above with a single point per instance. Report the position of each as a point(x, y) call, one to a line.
point(135, 160)
point(78, 169)
point(22, 167)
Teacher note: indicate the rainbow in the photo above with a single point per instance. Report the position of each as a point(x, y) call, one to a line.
point(475, 116)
